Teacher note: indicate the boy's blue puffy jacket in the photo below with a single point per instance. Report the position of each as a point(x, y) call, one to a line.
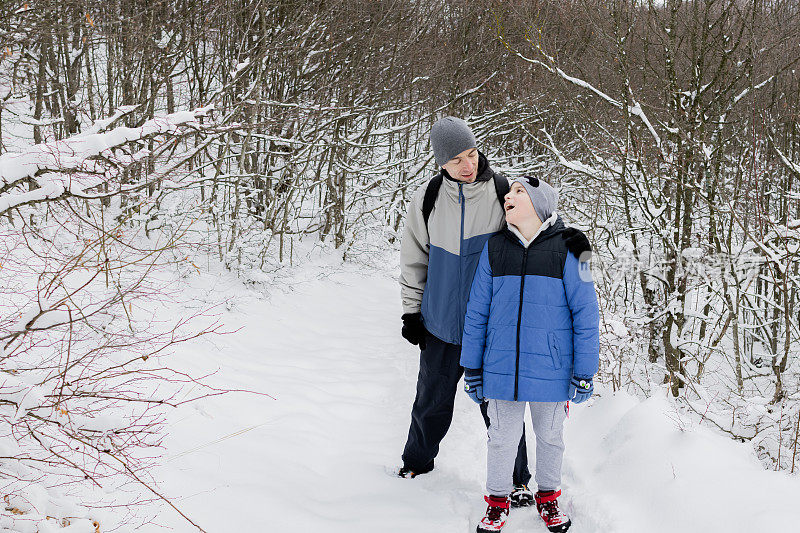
point(532, 322)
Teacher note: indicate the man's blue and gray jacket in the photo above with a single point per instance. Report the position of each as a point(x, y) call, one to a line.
point(532, 318)
point(438, 260)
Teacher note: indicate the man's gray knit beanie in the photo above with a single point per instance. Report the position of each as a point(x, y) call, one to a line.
point(449, 137)
point(543, 196)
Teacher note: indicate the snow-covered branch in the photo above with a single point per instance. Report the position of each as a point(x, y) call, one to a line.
point(74, 166)
point(634, 108)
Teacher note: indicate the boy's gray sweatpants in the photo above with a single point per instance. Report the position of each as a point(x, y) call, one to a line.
point(507, 419)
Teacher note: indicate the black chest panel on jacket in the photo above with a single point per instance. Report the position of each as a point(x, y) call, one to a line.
point(546, 255)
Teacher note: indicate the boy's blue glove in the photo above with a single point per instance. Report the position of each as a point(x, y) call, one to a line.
point(580, 389)
point(473, 384)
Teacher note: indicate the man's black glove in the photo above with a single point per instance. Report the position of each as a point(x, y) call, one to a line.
point(577, 243)
point(413, 330)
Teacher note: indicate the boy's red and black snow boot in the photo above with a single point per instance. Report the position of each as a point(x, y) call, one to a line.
point(496, 514)
point(547, 505)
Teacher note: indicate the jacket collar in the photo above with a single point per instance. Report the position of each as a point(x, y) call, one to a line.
point(526, 243)
point(554, 227)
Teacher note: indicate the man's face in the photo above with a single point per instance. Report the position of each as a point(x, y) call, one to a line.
point(464, 166)
point(518, 206)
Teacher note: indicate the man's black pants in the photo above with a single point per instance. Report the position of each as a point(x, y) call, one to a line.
point(437, 383)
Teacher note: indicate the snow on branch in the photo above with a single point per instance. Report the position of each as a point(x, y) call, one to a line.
point(634, 109)
point(103, 123)
point(746, 91)
point(576, 81)
point(69, 167)
point(571, 164)
point(793, 167)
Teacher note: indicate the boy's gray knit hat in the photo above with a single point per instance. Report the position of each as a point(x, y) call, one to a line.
point(543, 196)
point(449, 137)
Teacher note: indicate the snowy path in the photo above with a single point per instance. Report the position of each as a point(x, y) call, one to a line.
point(318, 457)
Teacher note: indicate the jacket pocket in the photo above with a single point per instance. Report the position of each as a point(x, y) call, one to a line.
point(554, 352)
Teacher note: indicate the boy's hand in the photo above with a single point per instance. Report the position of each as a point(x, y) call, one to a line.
point(580, 389)
point(473, 384)
point(577, 243)
point(413, 330)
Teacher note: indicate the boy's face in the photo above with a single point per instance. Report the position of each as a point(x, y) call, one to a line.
point(518, 206)
point(464, 166)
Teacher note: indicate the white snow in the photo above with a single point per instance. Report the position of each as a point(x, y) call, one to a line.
point(44, 163)
point(650, 472)
point(240, 67)
point(746, 91)
point(47, 190)
point(319, 456)
point(25, 395)
point(636, 109)
point(46, 318)
point(572, 164)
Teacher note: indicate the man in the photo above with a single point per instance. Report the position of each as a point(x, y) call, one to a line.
point(438, 261)
point(447, 225)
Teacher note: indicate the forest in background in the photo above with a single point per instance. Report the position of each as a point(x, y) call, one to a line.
point(132, 131)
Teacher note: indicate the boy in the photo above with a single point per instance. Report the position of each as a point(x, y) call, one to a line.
point(531, 337)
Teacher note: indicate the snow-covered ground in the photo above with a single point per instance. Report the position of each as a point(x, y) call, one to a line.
point(319, 456)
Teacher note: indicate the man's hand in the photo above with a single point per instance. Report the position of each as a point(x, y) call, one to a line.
point(577, 243)
point(580, 389)
point(413, 329)
point(473, 384)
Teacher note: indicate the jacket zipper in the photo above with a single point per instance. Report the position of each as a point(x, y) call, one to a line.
point(519, 320)
point(461, 201)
